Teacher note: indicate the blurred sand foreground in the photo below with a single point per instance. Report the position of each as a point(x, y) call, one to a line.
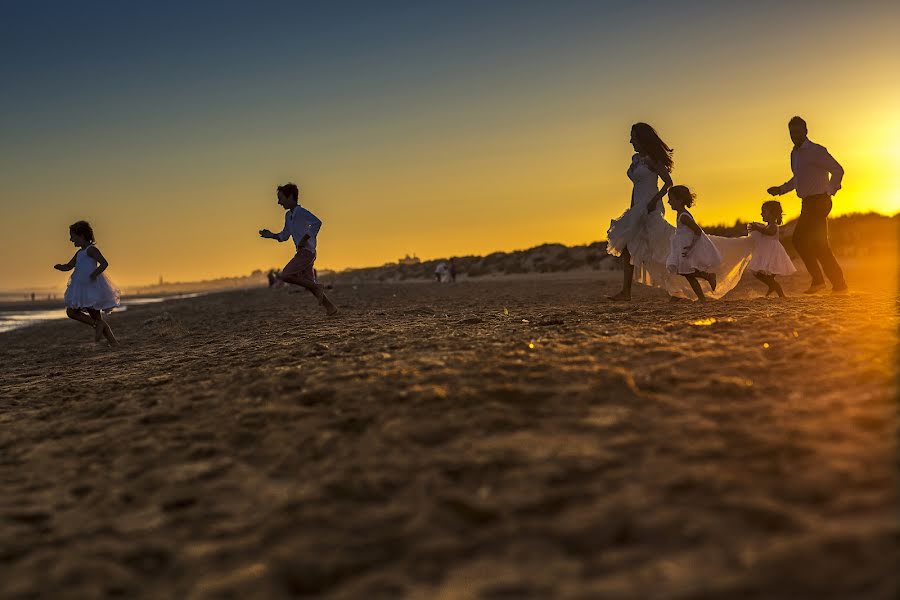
point(428, 444)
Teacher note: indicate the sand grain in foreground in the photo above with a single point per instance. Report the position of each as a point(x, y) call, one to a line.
point(430, 444)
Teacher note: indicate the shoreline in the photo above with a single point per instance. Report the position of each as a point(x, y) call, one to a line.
point(12, 320)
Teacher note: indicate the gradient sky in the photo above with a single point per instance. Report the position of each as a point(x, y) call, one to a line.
point(414, 127)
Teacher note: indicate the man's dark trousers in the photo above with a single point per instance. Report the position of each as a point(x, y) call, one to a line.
point(811, 241)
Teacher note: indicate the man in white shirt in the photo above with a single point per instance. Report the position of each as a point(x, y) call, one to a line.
point(817, 177)
point(302, 227)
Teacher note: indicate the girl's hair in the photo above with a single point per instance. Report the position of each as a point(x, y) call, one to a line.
point(651, 144)
point(82, 228)
point(775, 206)
point(684, 193)
point(290, 190)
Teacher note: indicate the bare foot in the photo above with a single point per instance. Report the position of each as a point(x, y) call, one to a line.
point(99, 329)
point(109, 336)
point(621, 296)
point(330, 308)
point(319, 293)
point(711, 280)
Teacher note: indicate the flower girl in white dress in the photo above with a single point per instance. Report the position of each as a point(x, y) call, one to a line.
point(692, 253)
point(89, 290)
point(769, 256)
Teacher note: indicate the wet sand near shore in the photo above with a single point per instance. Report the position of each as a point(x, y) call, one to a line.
point(496, 439)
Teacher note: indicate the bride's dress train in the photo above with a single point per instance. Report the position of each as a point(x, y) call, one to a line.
point(736, 254)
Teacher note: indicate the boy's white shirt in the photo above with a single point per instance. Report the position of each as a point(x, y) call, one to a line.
point(297, 223)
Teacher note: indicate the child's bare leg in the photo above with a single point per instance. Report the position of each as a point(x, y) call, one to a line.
point(330, 308)
point(314, 288)
point(80, 316)
point(709, 277)
point(108, 332)
point(99, 323)
point(104, 328)
point(775, 286)
point(695, 285)
point(769, 280)
point(762, 278)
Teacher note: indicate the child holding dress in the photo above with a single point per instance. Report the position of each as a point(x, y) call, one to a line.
point(692, 254)
point(769, 257)
point(89, 290)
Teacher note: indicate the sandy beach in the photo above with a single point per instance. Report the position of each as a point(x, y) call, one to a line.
point(496, 439)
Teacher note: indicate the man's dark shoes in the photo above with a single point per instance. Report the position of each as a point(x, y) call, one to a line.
point(815, 288)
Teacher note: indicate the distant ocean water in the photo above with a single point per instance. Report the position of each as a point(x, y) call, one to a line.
point(12, 319)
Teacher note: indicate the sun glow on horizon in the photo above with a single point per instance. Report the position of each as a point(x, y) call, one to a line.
point(500, 132)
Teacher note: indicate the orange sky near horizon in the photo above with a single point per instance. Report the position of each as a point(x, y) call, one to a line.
point(507, 156)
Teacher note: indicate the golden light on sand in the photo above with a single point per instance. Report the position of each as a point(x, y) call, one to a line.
point(554, 445)
point(704, 322)
point(708, 321)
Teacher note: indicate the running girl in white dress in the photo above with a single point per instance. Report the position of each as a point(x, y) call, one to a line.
point(769, 256)
point(89, 290)
point(692, 253)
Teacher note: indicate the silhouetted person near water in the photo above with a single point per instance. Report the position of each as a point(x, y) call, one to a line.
point(89, 290)
point(811, 165)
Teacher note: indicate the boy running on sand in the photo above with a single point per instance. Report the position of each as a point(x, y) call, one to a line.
point(303, 227)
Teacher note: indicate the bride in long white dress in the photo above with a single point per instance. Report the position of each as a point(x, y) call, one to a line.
point(642, 236)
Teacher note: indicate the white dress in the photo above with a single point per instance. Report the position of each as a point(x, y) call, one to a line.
point(81, 292)
point(645, 235)
point(769, 256)
point(704, 256)
point(648, 238)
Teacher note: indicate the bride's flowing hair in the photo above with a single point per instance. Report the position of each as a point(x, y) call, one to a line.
point(653, 146)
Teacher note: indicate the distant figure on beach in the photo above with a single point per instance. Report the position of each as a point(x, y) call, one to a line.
point(692, 254)
point(769, 257)
point(816, 178)
point(274, 281)
point(451, 270)
point(440, 272)
point(302, 226)
point(641, 235)
point(89, 290)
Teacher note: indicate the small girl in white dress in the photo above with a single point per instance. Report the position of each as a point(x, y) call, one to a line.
point(769, 257)
point(89, 290)
point(692, 253)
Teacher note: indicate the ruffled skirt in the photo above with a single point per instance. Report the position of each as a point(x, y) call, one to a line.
point(735, 253)
point(704, 256)
point(100, 294)
point(770, 257)
point(646, 236)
